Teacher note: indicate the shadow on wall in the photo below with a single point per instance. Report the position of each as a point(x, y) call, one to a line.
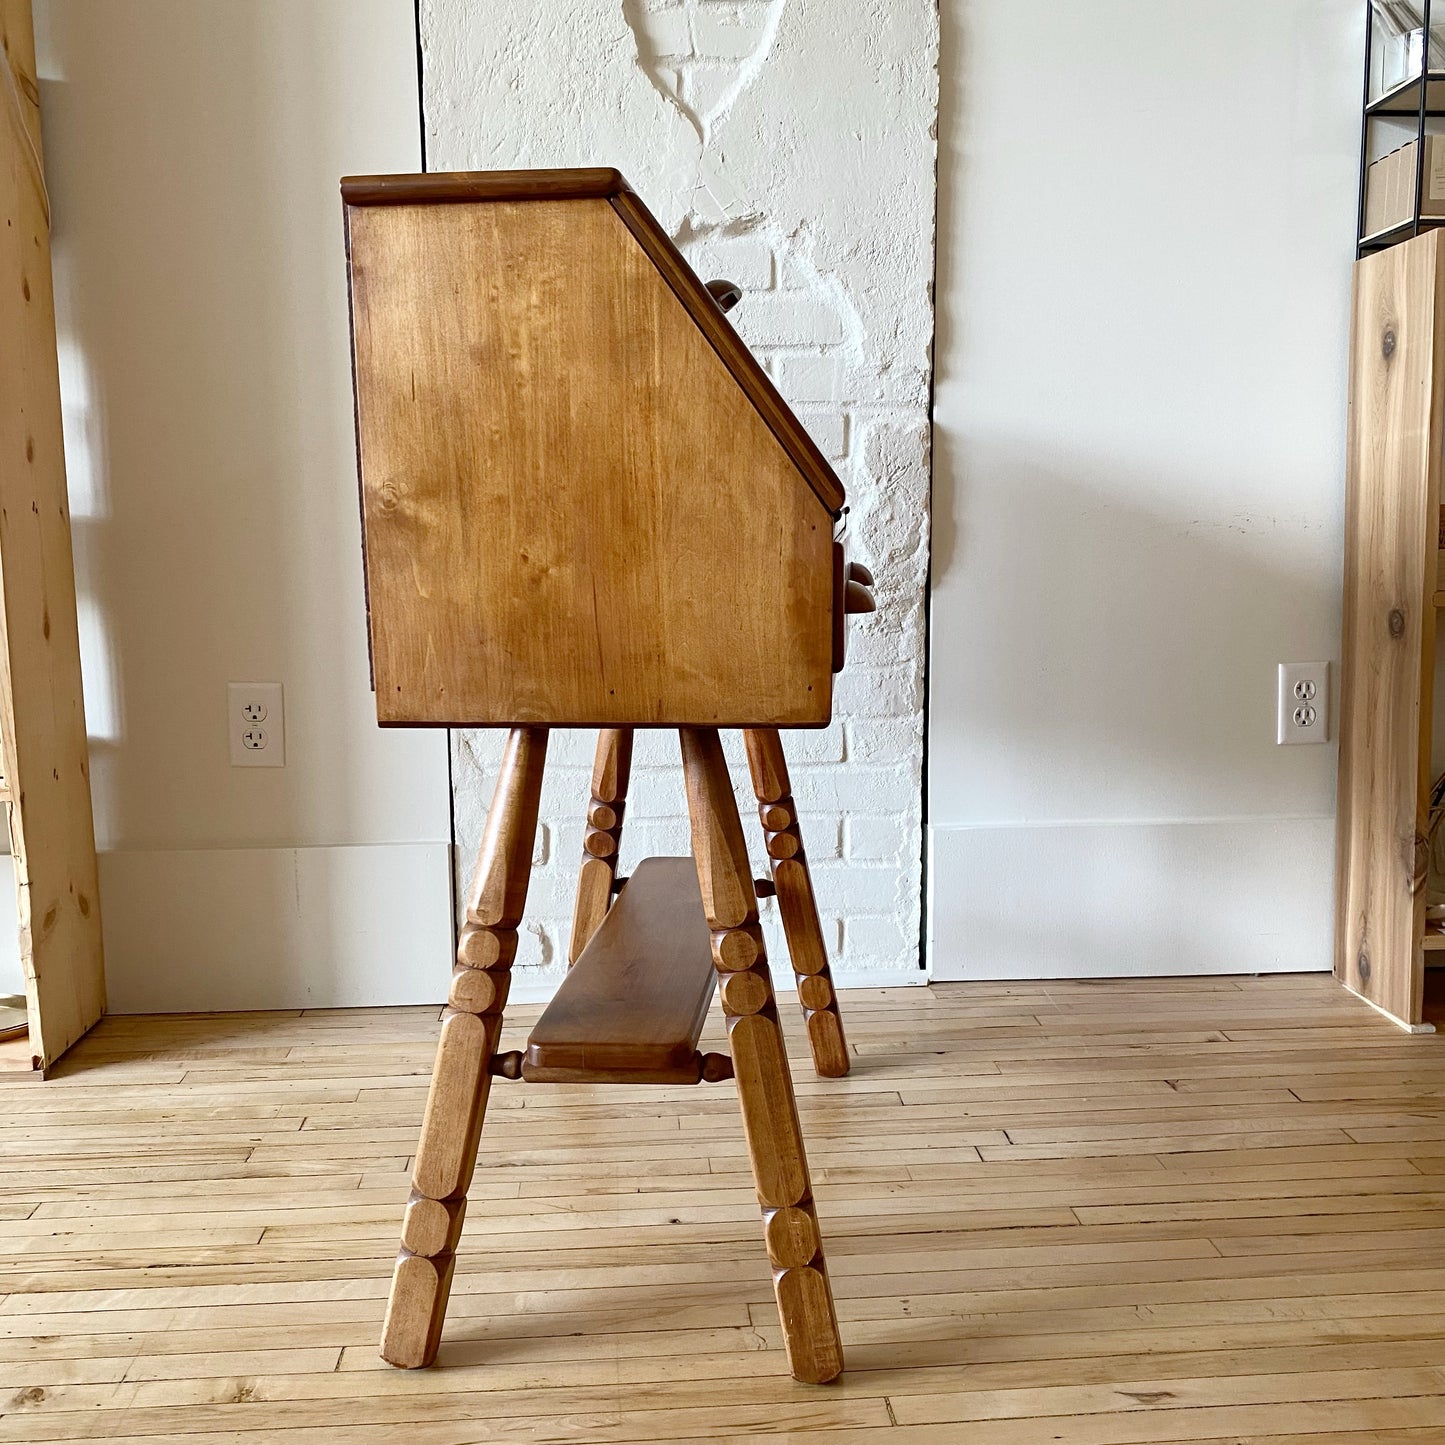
point(202, 335)
point(193, 154)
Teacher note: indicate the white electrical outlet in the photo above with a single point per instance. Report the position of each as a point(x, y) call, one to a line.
point(1304, 702)
point(256, 724)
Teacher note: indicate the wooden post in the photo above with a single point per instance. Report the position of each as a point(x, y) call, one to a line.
point(760, 1061)
point(796, 904)
point(610, 774)
point(46, 762)
point(461, 1079)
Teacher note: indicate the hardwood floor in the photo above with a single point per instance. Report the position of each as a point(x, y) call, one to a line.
point(1181, 1210)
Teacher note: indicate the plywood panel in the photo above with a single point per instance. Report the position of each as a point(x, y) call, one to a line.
point(1392, 499)
point(42, 717)
point(573, 512)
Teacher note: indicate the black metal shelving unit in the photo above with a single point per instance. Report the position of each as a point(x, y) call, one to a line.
point(1418, 96)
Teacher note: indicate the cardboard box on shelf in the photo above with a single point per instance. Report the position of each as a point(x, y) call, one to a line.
point(1390, 186)
point(1377, 194)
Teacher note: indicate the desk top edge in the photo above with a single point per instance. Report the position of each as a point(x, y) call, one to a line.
point(438, 186)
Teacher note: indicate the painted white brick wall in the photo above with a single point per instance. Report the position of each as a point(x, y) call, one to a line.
point(787, 145)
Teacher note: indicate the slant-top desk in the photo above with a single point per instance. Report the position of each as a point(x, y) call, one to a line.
point(585, 504)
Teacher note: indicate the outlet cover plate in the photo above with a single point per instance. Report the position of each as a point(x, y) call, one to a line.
point(1304, 703)
point(256, 724)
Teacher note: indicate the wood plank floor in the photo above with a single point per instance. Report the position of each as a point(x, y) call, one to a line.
point(1181, 1210)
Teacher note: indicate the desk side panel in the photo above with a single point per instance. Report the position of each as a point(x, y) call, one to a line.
point(573, 513)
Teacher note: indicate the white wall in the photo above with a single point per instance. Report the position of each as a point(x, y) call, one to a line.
point(193, 153)
point(1146, 230)
point(787, 145)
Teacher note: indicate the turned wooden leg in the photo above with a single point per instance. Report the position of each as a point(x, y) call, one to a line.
point(796, 904)
point(461, 1078)
point(610, 772)
point(760, 1062)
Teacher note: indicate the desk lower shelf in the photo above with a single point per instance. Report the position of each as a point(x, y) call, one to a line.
point(631, 1009)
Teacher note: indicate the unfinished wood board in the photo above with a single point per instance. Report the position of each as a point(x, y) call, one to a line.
point(631, 1008)
point(42, 716)
point(574, 513)
point(1397, 388)
point(1198, 1252)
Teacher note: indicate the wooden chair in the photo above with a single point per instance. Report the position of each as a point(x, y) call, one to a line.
point(584, 504)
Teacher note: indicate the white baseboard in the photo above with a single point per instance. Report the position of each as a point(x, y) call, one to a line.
point(280, 928)
point(276, 928)
point(537, 985)
point(1100, 900)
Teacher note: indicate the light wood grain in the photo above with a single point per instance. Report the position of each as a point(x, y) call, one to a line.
point(622, 1293)
point(1394, 448)
point(42, 715)
point(567, 494)
point(760, 1063)
point(707, 314)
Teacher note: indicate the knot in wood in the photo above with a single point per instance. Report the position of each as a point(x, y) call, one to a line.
point(1362, 965)
point(1387, 347)
point(1397, 623)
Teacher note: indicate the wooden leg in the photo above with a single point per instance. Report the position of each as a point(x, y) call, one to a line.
point(760, 1062)
point(610, 773)
point(460, 1081)
point(796, 904)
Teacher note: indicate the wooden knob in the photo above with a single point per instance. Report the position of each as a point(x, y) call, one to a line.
point(857, 572)
point(508, 1065)
point(857, 598)
point(715, 1068)
point(727, 294)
